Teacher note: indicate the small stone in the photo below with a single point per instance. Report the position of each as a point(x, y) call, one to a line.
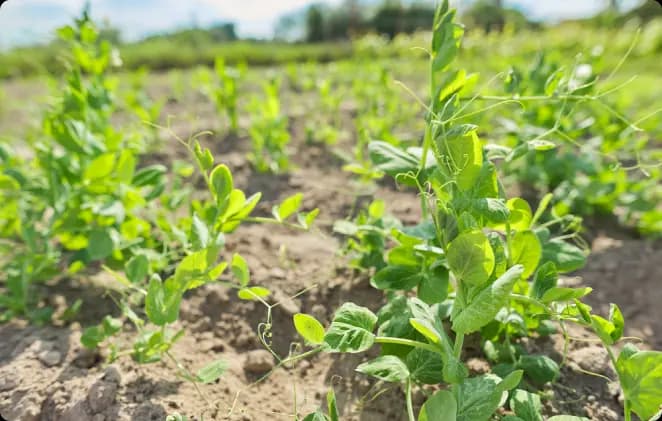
point(277, 273)
point(593, 359)
point(103, 392)
point(87, 358)
point(50, 358)
point(99, 417)
point(478, 366)
point(258, 361)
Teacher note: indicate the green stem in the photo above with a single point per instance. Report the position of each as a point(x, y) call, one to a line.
point(627, 410)
point(407, 342)
point(410, 406)
point(457, 348)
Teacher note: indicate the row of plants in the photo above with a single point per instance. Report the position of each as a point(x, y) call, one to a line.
point(82, 199)
point(480, 262)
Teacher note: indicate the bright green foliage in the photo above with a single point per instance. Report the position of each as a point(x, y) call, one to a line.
point(367, 236)
point(203, 238)
point(640, 373)
point(211, 372)
point(526, 405)
point(471, 258)
point(309, 328)
point(146, 109)
point(440, 407)
point(222, 88)
point(81, 187)
point(351, 329)
point(480, 260)
point(544, 135)
point(269, 131)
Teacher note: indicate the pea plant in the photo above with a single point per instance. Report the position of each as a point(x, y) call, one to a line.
point(561, 104)
point(323, 127)
point(480, 262)
point(145, 291)
point(269, 131)
point(367, 236)
point(222, 88)
point(80, 197)
point(147, 109)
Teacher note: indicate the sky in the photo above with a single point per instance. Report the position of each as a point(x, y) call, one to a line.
point(33, 21)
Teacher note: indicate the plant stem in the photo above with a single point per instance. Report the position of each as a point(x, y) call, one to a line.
point(457, 348)
point(410, 406)
point(627, 411)
point(407, 342)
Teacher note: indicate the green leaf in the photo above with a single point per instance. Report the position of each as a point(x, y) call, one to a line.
point(288, 207)
point(253, 293)
point(511, 380)
point(309, 328)
point(388, 368)
point(539, 368)
point(464, 158)
point(440, 407)
point(240, 269)
point(162, 301)
point(332, 406)
point(306, 220)
point(526, 251)
point(564, 294)
point(397, 278)
point(604, 329)
point(565, 256)
point(316, 416)
point(92, 337)
point(640, 375)
point(101, 167)
point(478, 398)
point(433, 288)
point(199, 233)
point(351, 329)
point(149, 176)
point(542, 206)
point(136, 268)
point(425, 367)
point(487, 303)
point(221, 183)
point(203, 156)
point(520, 215)
point(526, 405)
point(126, 166)
point(211, 372)
point(616, 318)
point(391, 160)
point(100, 245)
point(194, 269)
point(470, 258)
point(546, 278)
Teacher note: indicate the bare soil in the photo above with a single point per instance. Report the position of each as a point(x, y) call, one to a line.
point(45, 374)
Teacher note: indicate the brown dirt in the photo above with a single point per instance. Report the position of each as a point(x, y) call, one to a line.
point(46, 375)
